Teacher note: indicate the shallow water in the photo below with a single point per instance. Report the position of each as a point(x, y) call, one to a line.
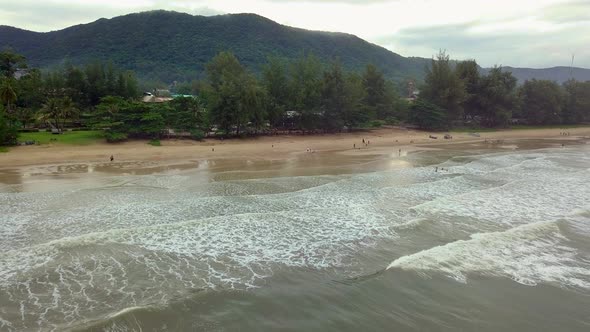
point(498, 240)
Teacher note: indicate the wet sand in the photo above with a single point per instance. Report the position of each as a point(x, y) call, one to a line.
point(277, 155)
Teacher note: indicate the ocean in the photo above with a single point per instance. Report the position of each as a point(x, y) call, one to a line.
point(451, 240)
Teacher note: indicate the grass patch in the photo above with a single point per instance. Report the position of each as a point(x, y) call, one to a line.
point(68, 137)
point(155, 142)
point(3, 149)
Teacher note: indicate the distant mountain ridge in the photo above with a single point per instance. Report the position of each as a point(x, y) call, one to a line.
point(559, 74)
point(169, 46)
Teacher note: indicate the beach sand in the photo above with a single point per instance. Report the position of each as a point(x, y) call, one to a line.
point(385, 141)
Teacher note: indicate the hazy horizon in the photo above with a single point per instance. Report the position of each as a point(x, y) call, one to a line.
point(532, 34)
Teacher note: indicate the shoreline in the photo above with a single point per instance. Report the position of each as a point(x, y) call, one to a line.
point(269, 148)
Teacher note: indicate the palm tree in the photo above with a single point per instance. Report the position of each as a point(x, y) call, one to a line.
point(51, 112)
point(68, 109)
point(7, 94)
point(56, 110)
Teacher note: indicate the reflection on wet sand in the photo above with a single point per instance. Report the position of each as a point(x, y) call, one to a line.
point(90, 175)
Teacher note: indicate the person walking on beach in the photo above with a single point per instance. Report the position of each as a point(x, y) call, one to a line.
point(112, 158)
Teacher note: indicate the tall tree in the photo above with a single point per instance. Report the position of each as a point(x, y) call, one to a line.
point(231, 89)
point(375, 102)
point(8, 131)
point(275, 82)
point(95, 78)
point(353, 113)
point(10, 62)
point(76, 87)
point(333, 102)
point(443, 88)
point(496, 98)
point(51, 112)
point(468, 73)
point(428, 116)
point(305, 88)
point(131, 86)
point(577, 102)
point(541, 102)
point(7, 94)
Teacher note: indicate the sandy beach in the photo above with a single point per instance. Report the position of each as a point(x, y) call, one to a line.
point(380, 141)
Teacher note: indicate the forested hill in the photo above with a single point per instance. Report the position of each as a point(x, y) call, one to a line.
point(558, 74)
point(175, 46)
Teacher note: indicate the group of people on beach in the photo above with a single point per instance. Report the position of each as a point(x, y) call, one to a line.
point(365, 143)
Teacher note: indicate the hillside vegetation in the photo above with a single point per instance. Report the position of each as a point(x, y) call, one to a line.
point(167, 46)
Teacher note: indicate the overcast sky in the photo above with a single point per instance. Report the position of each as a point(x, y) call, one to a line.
point(523, 33)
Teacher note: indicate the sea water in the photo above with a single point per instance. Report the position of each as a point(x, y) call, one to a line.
point(492, 240)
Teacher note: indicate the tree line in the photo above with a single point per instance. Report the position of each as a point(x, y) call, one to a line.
point(459, 95)
point(55, 98)
point(303, 94)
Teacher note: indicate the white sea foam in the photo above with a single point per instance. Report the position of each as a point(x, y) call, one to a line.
point(528, 254)
point(147, 239)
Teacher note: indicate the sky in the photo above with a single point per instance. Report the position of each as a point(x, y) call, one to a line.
point(519, 33)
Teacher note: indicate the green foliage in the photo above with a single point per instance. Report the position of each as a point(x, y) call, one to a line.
point(155, 142)
point(496, 98)
point(56, 110)
point(577, 102)
point(86, 86)
point(233, 93)
point(353, 114)
point(197, 134)
point(8, 130)
point(167, 46)
point(86, 137)
point(428, 116)
point(378, 123)
point(333, 98)
point(375, 99)
point(275, 82)
point(468, 73)
point(185, 114)
point(10, 62)
point(7, 94)
point(113, 137)
point(304, 91)
point(541, 102)
point(29, 90)
point(444, 88)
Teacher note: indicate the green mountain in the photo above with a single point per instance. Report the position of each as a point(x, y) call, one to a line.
point(168, 46)
point(175, 46)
